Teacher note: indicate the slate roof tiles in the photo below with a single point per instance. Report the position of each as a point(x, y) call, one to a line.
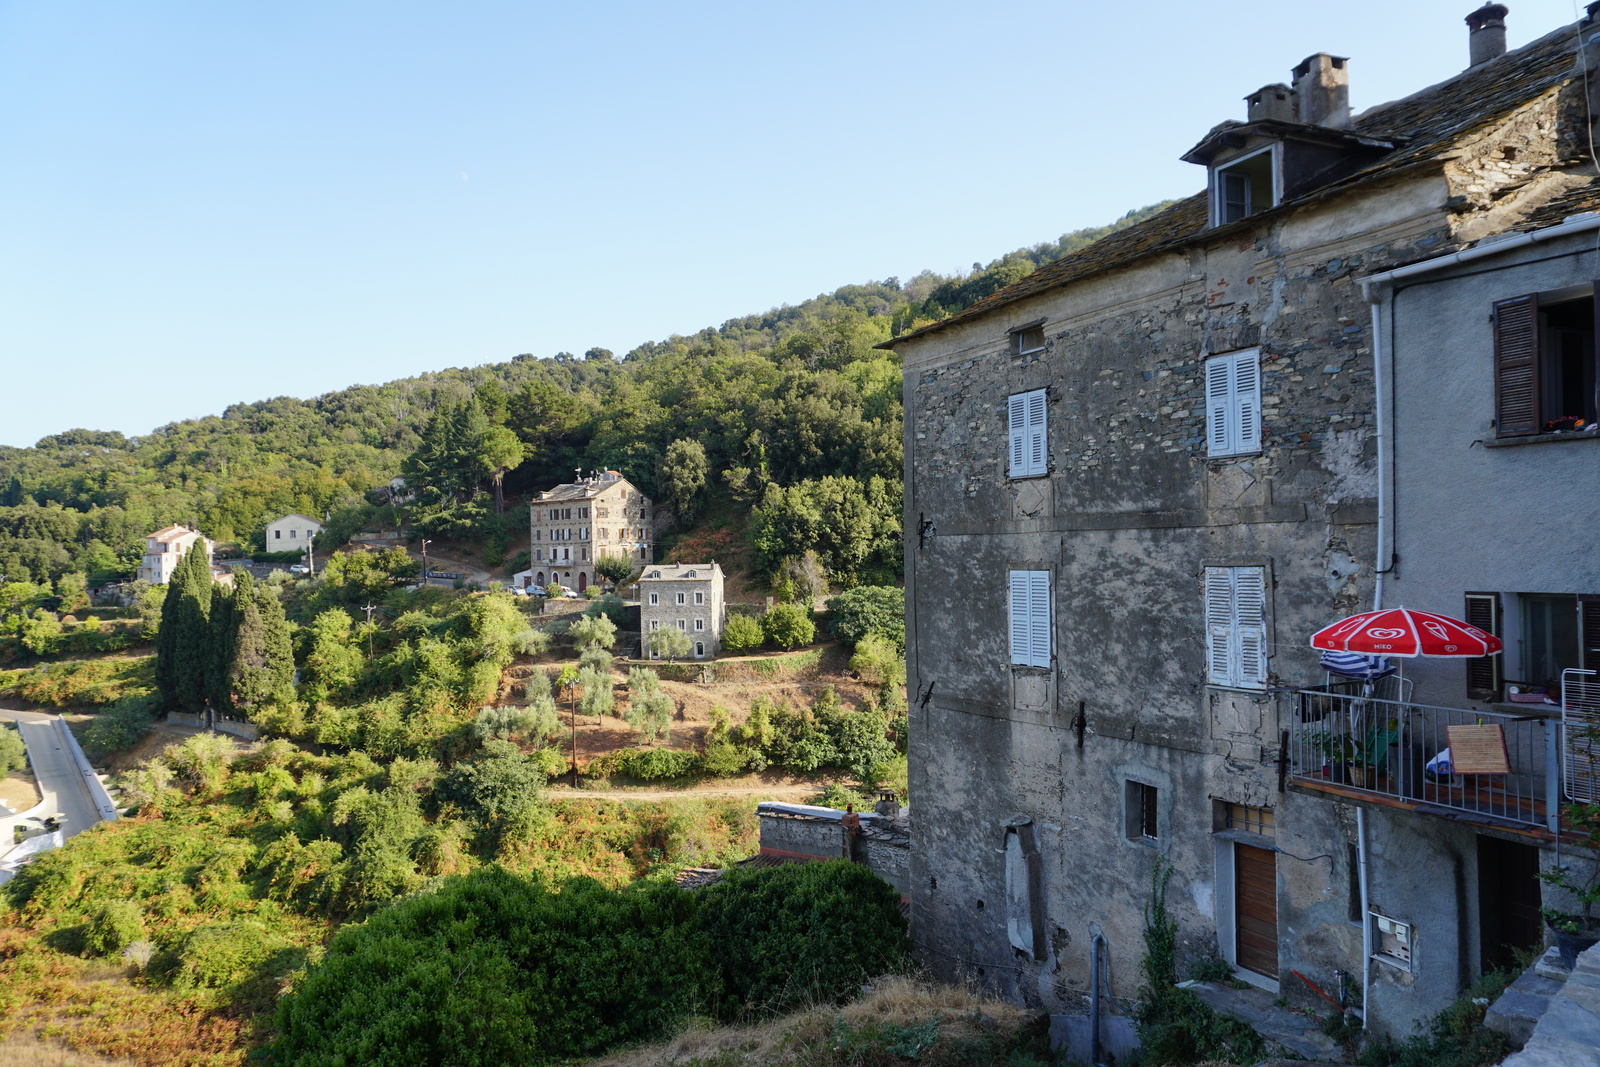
point(1429, 127)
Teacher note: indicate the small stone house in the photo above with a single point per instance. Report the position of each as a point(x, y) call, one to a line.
point(688, 597)
point(573, 525)
point(292, 533)
point(1161, 455)
point(164, 548)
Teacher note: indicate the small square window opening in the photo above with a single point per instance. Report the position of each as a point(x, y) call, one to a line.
point(1140, 815)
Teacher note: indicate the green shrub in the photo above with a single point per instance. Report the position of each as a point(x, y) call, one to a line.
point(742, 633)
point(724, 760)
point(120, 727)
point(788, 626)
point(13, 754)
point(551, 762)
point(869, 609)
point(496, 969)
point(220, 955)
point(658, 764)
point(114, 927)
point(799, 933)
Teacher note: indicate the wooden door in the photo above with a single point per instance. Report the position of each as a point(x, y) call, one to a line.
point(1255, 897)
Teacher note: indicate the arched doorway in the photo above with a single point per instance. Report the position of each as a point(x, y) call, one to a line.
point(583, 581)
point(539, 580)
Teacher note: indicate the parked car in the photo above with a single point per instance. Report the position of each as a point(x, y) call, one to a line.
point(568, 591)
point(517, 590)
point(300, 568)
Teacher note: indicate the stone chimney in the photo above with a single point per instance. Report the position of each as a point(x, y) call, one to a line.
point(1486, 36)
point(1322, 91)
point(1270, 102)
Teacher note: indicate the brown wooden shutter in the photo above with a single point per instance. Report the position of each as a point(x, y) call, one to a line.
point(1484, 672)
point(1589, 631)
point(1516, 366)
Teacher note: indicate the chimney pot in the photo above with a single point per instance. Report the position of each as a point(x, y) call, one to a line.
point(1322, 91)
point(1486, 34)
point(1270, 102)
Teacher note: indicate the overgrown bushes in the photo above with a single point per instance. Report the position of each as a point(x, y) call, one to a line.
point(120, 726)
point(86, 682)
point(494, 969)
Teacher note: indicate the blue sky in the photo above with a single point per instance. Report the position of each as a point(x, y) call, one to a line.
point(206, 203)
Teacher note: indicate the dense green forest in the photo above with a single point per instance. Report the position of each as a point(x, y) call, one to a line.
point(795, 399)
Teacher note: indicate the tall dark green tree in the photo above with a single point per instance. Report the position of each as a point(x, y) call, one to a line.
point(183, 645)
point(223, 627)
point(259, 666)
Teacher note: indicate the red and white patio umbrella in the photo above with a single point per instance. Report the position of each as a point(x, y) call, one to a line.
point(1408, 633)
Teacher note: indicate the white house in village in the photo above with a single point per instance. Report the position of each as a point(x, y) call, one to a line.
point(291, 533)
point(164, 548)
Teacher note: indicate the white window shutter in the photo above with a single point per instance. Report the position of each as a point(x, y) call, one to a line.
point(1250, 613)
point(1039, 617)
point(1247, 401)
point(1219, 395)
point(1036, 432)
point(1018, 416)
point(1219, 625)
point(1021, 650)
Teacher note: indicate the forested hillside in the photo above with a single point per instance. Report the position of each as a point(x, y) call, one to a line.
point(792, 412)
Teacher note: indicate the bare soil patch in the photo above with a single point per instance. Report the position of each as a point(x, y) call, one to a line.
point(20, 790)
point(695, 701)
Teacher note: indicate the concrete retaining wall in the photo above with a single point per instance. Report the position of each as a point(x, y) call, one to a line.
point(246, 730)
point(97, 790)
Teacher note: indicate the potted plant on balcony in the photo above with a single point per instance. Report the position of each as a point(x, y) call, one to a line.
point(1576, 930)
point(1357, 760)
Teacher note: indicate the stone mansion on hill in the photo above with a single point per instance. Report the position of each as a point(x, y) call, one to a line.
point(572, 526)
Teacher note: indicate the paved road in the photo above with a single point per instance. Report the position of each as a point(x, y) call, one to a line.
point(60, 780)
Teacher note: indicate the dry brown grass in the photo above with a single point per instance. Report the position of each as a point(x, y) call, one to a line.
point(22, 1049)
point(808, 1037)
point(20, 790)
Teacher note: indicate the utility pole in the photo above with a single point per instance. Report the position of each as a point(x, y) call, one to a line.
point(369, 609)
point(311, 562)
point(425, 545)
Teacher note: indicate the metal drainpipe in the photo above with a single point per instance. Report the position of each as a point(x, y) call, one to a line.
point(1381, 561)
point(1366, 919)
point(1094, 999)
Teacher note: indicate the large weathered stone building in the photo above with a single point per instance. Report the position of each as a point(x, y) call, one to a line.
point(1158, 456)
point(573, 525)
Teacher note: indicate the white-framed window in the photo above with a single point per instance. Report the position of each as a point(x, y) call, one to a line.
point(1026, 340)
point(1236, 626)
point(1026, 415)
point(1030, 618)
point(699, 624)
point(1244, 186)
point(680, 598)
point(655, 598)
point(1233, 403)
point(699, 598)
point(699, 649)
point(681, 625)
point(294, 535)
point(655, 624)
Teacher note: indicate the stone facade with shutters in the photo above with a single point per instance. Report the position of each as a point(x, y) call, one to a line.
point(687, 597)
point(573, 525)
point(1127, 749)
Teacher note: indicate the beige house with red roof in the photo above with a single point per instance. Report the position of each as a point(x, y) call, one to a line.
point(164, 548)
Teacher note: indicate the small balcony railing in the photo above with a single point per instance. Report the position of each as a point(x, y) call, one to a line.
point(1394, 748)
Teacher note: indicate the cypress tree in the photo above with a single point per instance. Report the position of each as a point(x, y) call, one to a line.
point(261, 667)
point(223, 629)
point(189, 619)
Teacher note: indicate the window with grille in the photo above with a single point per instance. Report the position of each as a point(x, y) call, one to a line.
point(1140, 804)
point(1236, 627)
point(1233, 403)
point(1030, 618)
point(1026, 415)
point(1251, 820)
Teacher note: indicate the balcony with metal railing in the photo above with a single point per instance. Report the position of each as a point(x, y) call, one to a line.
point(1345, 742)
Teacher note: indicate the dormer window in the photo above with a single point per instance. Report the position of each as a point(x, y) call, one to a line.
point(1244, 186)
point(1028, 339)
